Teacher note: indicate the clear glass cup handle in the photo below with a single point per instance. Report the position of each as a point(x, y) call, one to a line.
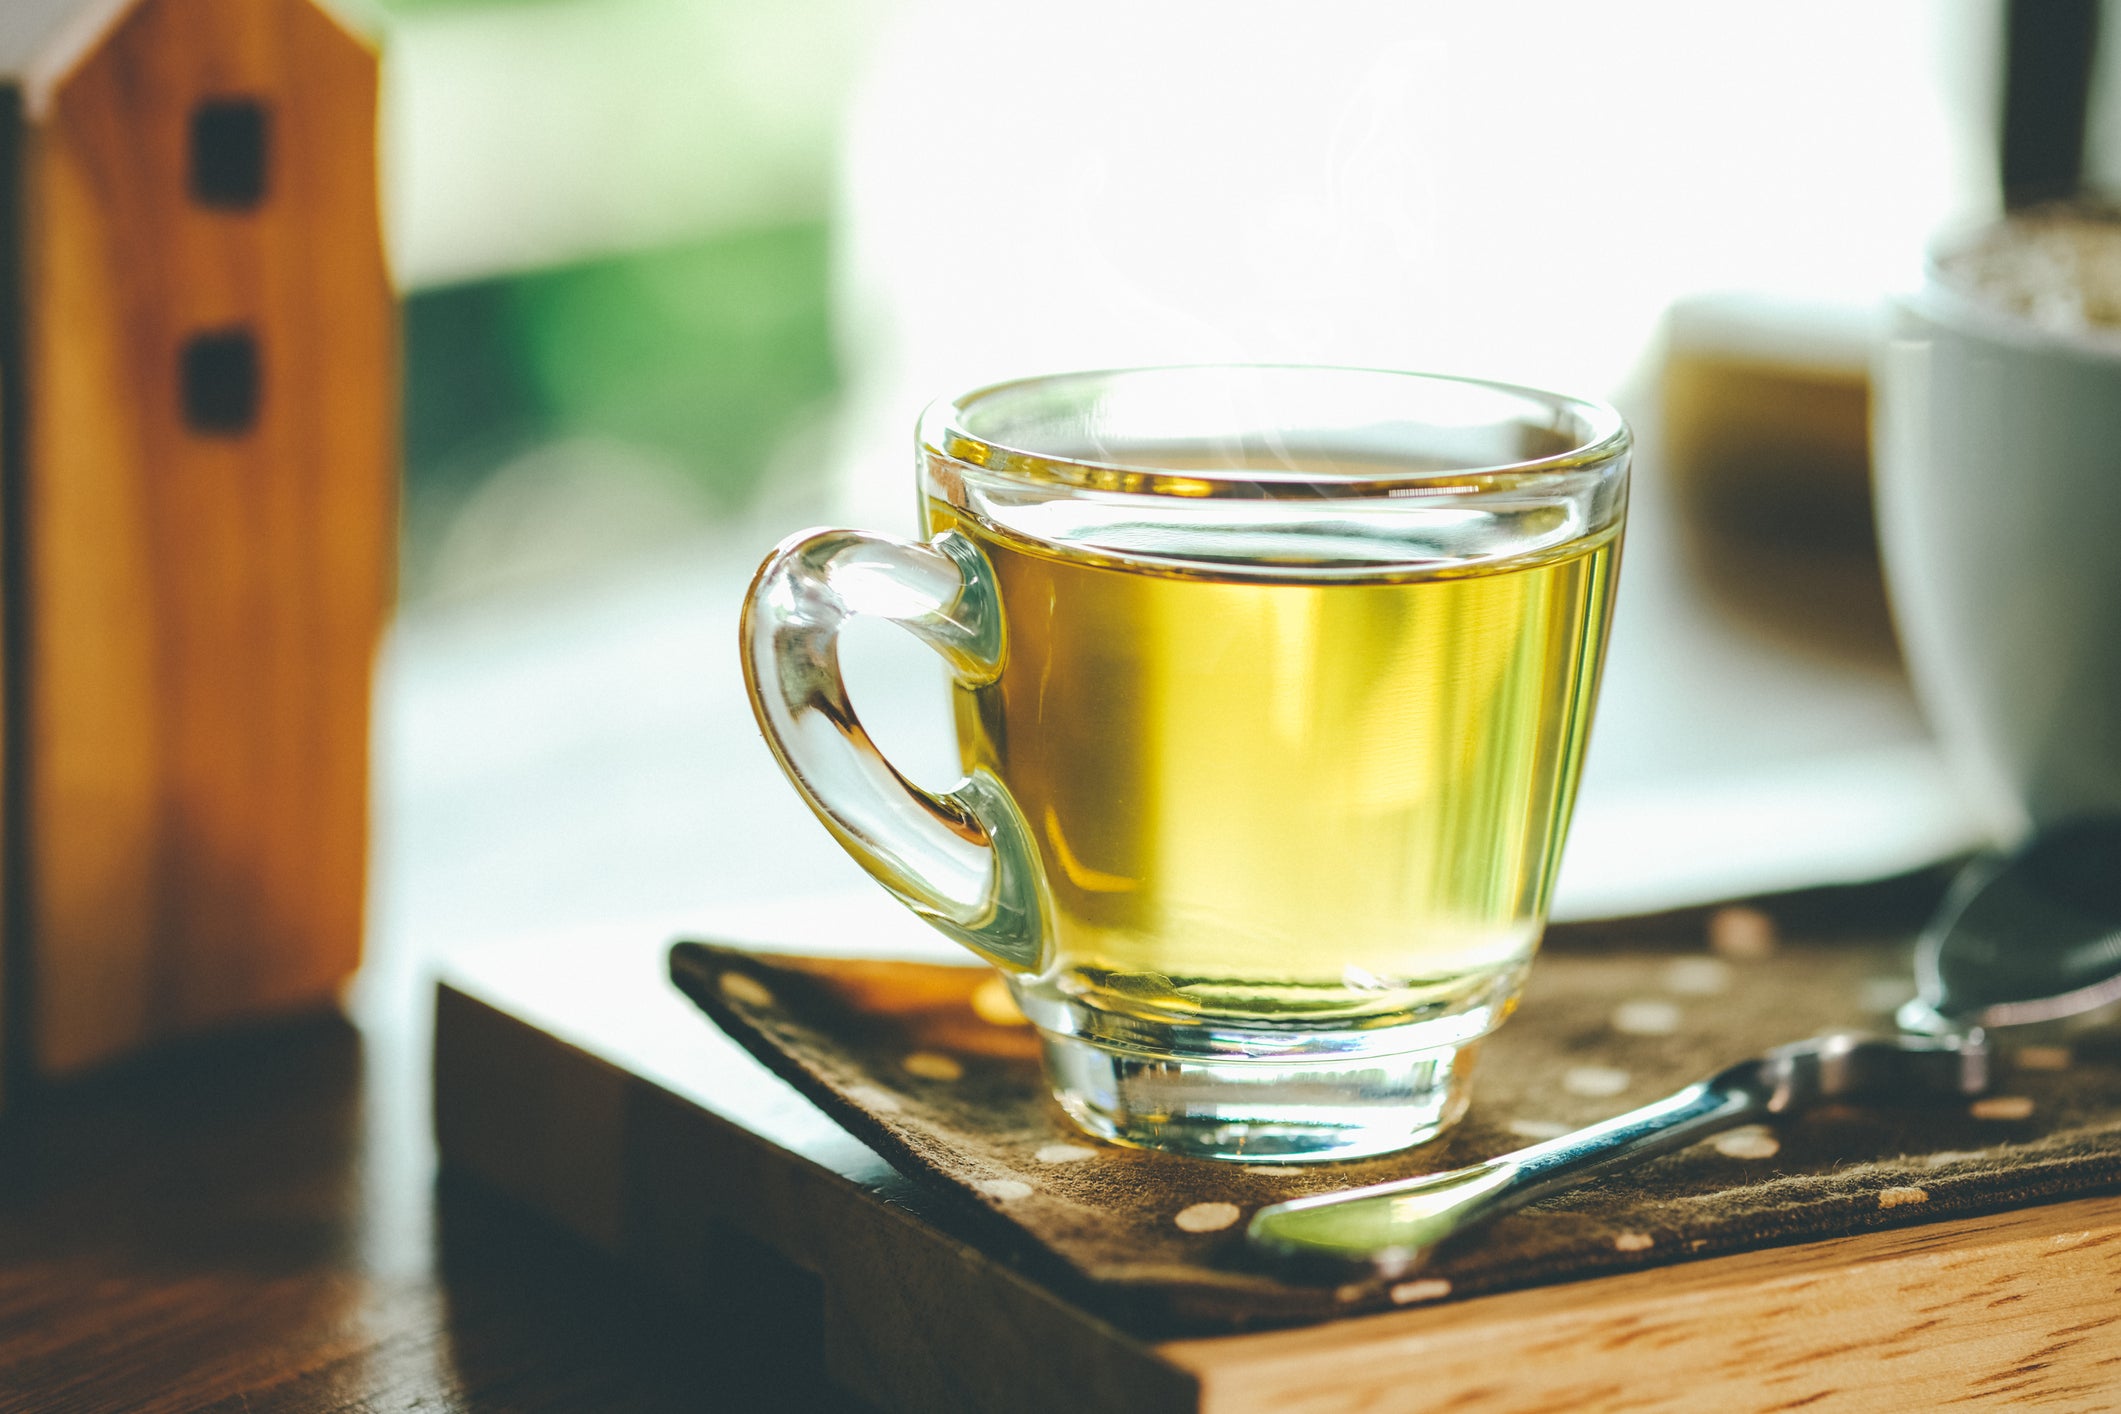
point(963, 860)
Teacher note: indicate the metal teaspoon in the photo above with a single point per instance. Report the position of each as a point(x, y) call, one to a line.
point(2020, 938)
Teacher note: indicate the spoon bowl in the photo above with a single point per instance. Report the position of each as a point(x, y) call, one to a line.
point(2027, 937)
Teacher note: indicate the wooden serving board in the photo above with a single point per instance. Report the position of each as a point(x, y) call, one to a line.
point(571, 1077)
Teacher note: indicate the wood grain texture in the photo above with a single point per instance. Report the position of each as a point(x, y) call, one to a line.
point(250, 1224)
point(202, 609)
point(537, 1047)
point(2016, 1310)
point(675, 1179)
point(14, 1034)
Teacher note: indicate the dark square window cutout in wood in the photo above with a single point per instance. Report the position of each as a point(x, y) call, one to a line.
point(220, 382)
point(229, 137)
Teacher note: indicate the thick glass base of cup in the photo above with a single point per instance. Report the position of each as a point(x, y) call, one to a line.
point(1264, 1112)
point(1262, 1094)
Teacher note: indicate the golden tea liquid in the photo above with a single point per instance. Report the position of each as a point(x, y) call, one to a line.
point(1338, 800)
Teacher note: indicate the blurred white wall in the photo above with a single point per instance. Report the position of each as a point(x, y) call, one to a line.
point(1516, 190)
point(520, 136)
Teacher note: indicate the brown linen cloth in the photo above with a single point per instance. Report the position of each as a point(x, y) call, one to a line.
point(931, 1067)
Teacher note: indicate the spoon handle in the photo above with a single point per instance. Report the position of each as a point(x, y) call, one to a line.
point(1392, 1227)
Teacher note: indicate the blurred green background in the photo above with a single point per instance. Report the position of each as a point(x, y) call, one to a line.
point(686, 368)
point(608, 219)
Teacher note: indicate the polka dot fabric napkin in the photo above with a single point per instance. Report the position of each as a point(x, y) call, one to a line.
point(934, 1068)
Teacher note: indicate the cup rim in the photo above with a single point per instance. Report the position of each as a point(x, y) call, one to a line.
point(1948, 301)
point(941, 432)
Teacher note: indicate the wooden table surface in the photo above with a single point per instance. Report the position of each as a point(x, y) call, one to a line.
point(254, 1224)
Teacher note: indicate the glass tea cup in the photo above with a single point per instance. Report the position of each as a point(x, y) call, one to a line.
point(1272, 686)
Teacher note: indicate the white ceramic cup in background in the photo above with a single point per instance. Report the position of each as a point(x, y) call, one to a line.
point(1997, 455)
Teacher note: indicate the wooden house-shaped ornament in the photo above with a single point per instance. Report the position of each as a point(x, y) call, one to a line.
point(198, 452)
